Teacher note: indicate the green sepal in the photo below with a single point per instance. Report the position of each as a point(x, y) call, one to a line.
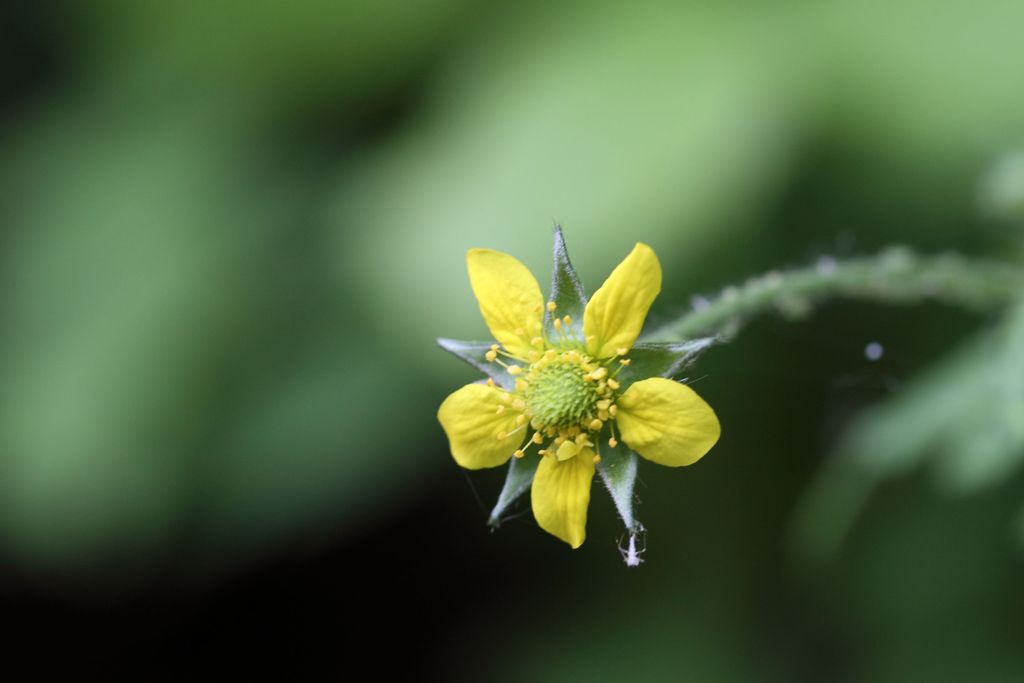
point(566, 291)
point(661, 359)
point(473, 353)
point(517, 482)
point(618, 472)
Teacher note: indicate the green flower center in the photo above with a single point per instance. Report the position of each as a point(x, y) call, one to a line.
point(560, 393)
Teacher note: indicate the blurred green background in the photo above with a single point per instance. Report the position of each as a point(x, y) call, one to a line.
point(230, 234)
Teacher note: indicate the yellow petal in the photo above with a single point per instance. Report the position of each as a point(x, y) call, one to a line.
point(615, 315)
point(561, 494)
point(509, 298)
point(470, 419)
point(667, 422)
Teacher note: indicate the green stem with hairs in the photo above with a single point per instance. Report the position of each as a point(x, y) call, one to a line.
point(896, 275)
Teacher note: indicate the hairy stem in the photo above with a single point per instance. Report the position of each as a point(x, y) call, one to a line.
point(896, 275)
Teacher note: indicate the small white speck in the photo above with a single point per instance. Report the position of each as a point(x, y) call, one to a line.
point(874, 351)
point(826, 265)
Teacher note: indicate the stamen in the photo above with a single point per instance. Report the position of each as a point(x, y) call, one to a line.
point(491, 356)
point(567, 320)
point(624, 361)
point(551, 307)
point(613, 410)
point(514, 369)
point(519, 453)
point(622, 351)
point(595, 425)
point(612, 442)
point(597, 458)
point(490, 382)
point(538, 342)
point(500, 410)
point(613, 384)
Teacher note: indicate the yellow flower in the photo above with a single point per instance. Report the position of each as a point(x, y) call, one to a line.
point(567, 390)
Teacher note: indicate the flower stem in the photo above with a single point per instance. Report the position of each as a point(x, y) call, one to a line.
point(896, 275)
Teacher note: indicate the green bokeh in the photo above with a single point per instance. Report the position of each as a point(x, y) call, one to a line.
point(229, 241)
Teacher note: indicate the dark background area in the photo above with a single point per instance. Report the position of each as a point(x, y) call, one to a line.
point(229, 239)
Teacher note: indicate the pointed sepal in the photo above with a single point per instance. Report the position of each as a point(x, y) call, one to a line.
point(661, 359)
point(618, 472)
point(517, 482)
point(474, 353)
point(566, 291)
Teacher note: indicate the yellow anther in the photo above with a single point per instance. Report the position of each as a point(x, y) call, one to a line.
point(550, 431)
point(534, 355)
point(519, 404)
point(559, 440)
point(551, 307)
point(583, 442)
point(624, 361)
point(506, 397)
point(491, 356)
point(542, 452)
point(612, 442)
point(595, 425)
point(603, 404)
point(622, 351)
point(567, 320)
point(597, 459)
point(520, 419)
point(557, 324)
point(603, 415)
point(521, 384)
point(502, 436)
point(537, 438)
point(600, 373)
point(490, 382)
point(613, 410)
point(519, 453)
point(567, 450)
point(494, 347)
point(500, 410)
point(573, 431)
point(550, 354)
point(514, 369)
point(613, 384)
point(537, 341)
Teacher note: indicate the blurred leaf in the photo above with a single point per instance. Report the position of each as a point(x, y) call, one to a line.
point(964, 417)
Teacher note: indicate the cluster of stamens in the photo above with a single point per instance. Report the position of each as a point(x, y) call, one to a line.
point(565, 397)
